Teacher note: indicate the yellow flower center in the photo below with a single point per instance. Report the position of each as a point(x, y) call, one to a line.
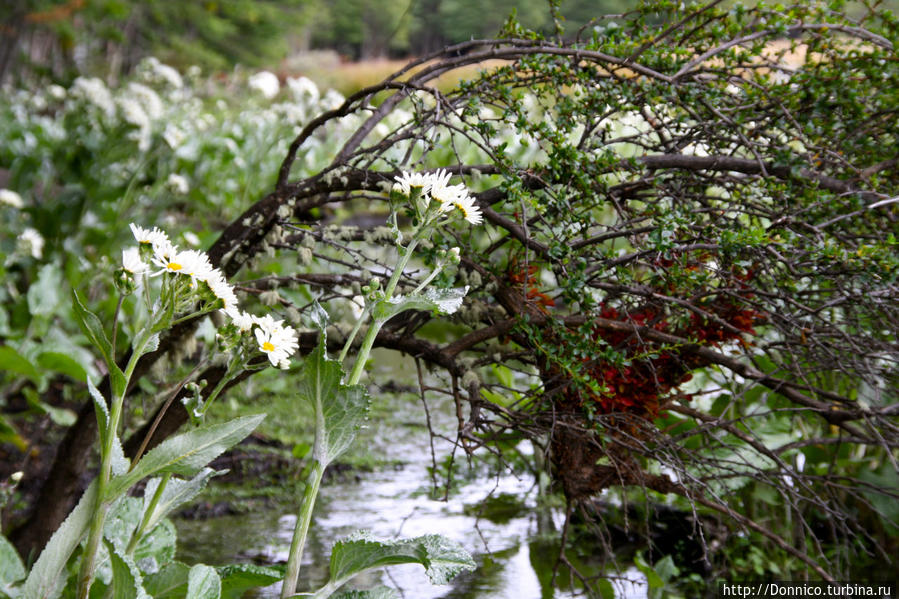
point(174, 266)
point(461, 209)
point(267, 346)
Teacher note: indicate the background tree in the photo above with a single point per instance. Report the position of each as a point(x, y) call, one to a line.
point(687, 281)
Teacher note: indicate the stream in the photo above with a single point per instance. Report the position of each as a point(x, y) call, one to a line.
point(495, 517)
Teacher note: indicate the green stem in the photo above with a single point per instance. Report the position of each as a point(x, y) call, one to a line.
point(352, 335)
point(101, 507)
point(139, 533)
point(313, 482)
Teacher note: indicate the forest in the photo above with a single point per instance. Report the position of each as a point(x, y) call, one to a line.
point(572, 300)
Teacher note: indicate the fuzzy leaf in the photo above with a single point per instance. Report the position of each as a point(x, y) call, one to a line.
point(339, 409)
point(43, 581)
point(442, 301)
point(126, 579)
point(203, 582)
point(11, 567)
point(177, 492)
point(188, 453)
point(237, 579)
point(442, 558)
point(93, 328)
point(169, 583)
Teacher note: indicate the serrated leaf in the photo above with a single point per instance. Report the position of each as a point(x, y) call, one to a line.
point(443, 301)
point(43, 581)
point(319, 316)
point(375, 593)
point(12, 361)
point(237, 579)
point(442, 558)
point(152, 344)
point(169, 583)
point(203, 582)
point(177, 492)
point(101, 410)
point(11, 567)
point(339, 409)
point(127, 582)
point(188, 453)
point(93, 328)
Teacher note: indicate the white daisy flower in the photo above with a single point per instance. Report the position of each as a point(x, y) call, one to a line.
point(156, 238)
point(177, 184)
point(425, 181)
point(193, 264)
point(470, 211)
point(31, 242)
point(131, 261)
point(449, 196)
point(276, 341)
point(11, 198)
point(222, 290)
point(242, 320)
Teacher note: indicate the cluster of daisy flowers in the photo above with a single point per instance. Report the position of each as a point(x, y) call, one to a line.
point(276, 340)
point(432, 190)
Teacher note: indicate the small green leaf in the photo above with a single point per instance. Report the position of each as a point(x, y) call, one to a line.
point(318, 316)
point(169, 583)
point(188, 453)
point(606, 590)
point(203, 582)
point(237, 579)
point(93, 328)
point(8, 434)
point(12, 361)
point(442, 558)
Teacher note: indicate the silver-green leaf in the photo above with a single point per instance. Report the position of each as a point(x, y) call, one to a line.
point(188, 453)
point(203, 582)
point(339, 409)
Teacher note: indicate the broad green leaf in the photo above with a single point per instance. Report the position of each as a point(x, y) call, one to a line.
point(169, 583)
point(121, 522)
point(44, 294)
point(188, 453)
point(443, 301)
point(12, 361)
point(127, 582)
point(93, 328)
point(64, 363)
point(177, 492)
point(156, 547)
point(43, 581)
point(652, 578)
point(11, 567)
point(203, 582)
point(339, 409)
point(375, 593)
point(237, 579)
point(442, 558)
